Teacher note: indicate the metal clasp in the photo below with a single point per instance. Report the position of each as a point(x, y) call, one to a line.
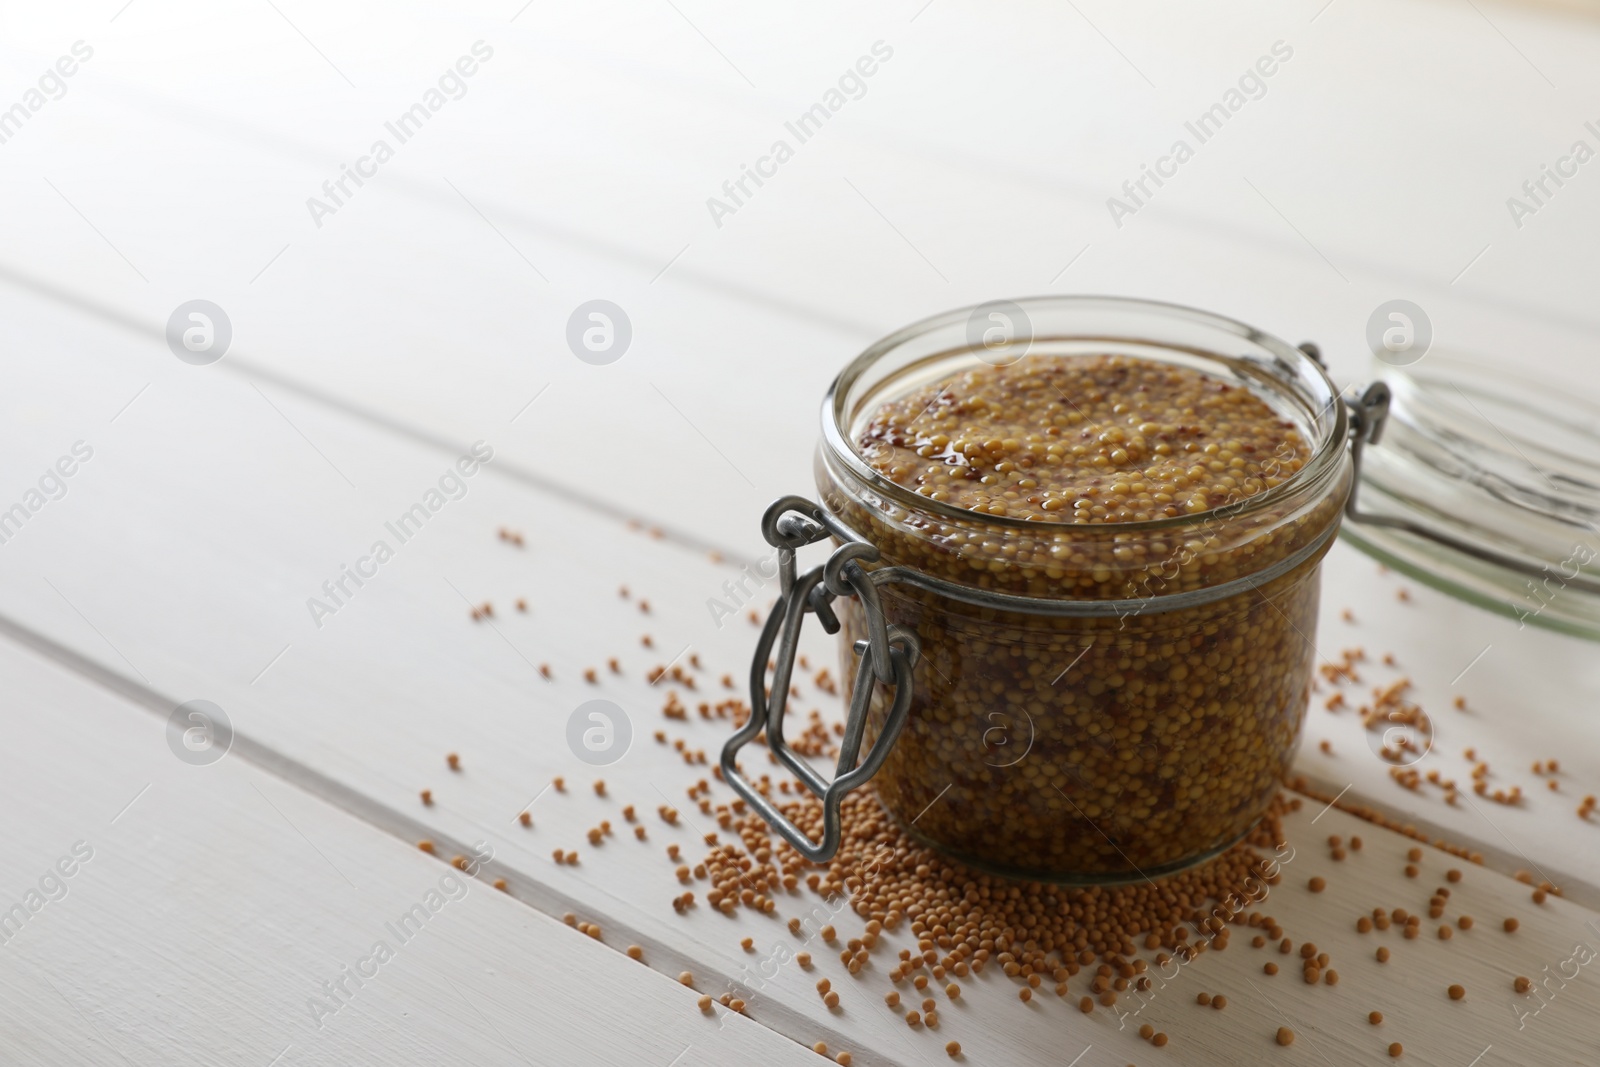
point(1367, 417)
point(888, 655)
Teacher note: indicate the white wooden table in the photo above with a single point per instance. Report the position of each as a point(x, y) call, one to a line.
point(429, 311)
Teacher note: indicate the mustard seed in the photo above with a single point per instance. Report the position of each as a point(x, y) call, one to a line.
point(1456, 992)
point(1511, 926)
point(953, 1049)
point(454, 761)
point(635, 952)
point(831, 1000)
point(842, 1059)
point(1374, 1017)
point(1317, 885)
point(1159, 1041)
point(820, 1048)
point(426, 846)
point(1383, 954)
point(1395, 1050)
point(1285, 1036)
point(705, 1004)
point(686, 979)
point(1147, 1031)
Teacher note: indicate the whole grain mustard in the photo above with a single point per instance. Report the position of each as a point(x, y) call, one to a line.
point(1090, 749)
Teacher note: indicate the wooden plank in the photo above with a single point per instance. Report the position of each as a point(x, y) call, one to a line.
point(149, 940)
point(363, 709)
point(282, 520)
point(772, 303)
point(204, 907)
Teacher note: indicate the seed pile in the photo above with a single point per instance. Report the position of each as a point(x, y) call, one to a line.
point(1126, 941)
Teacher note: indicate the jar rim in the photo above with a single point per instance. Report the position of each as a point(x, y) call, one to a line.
point(1326, 456)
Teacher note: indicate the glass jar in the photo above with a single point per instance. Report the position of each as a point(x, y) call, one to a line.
point(1077, 703)
point(1487, 487)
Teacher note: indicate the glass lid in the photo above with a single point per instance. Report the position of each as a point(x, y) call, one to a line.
point(1485, 483)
